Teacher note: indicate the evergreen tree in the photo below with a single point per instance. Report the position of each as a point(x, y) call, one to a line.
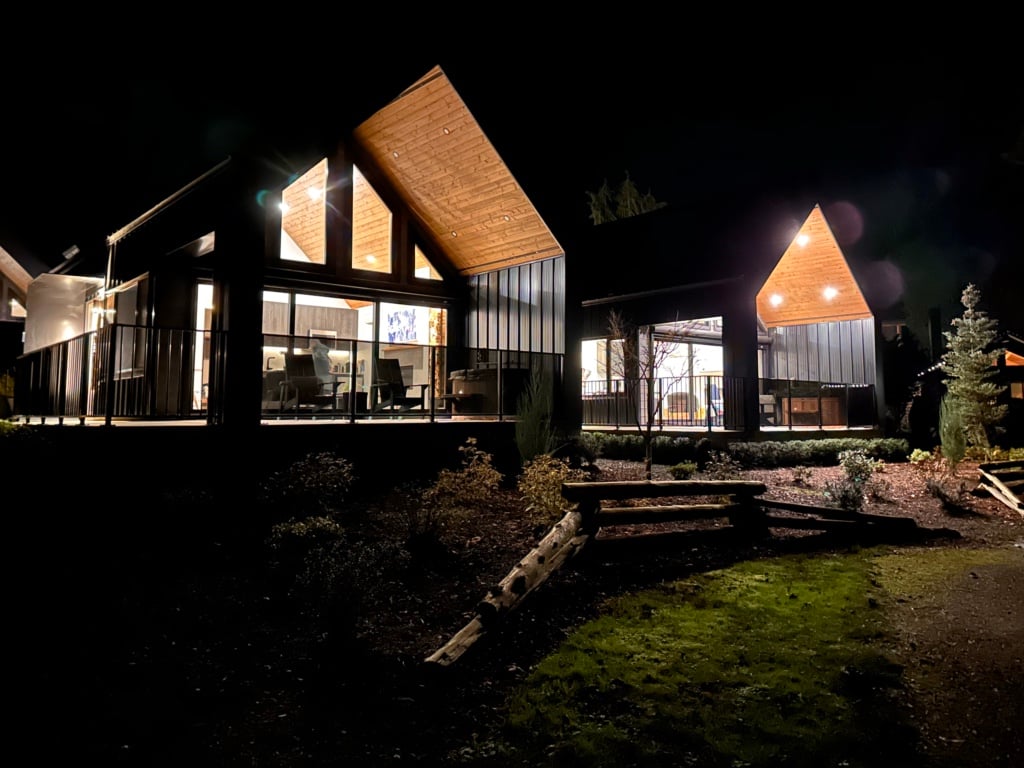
point(601, 204)
point(968, 364)
point(626, 202)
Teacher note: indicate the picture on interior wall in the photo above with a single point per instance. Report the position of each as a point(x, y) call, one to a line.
point(402, 326)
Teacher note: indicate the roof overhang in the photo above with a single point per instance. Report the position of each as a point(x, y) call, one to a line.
point(811, 283)
point(436, 157)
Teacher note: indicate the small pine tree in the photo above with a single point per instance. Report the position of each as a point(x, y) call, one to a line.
point(951, 430)
point(968, 364)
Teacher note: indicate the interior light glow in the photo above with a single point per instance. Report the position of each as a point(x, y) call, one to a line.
point(775, 300)
point(371, 259)
point(830, 293)
point(802, 239)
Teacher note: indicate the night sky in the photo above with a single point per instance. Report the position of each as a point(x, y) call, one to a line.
point(919, 146)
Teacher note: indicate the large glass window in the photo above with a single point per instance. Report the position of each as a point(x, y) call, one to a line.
point(602, 363)
point(422, 268)
point(304, 217)
point(371, 227)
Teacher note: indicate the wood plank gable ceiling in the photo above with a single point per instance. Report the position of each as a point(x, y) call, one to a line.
point(437, 158)
point(811, 283)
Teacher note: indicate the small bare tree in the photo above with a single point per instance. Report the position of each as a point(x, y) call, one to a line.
point(643, 354)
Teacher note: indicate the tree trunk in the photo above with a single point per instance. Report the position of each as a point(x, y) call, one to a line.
point(561, 543)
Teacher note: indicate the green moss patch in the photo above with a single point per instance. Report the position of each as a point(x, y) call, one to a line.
point(767, 663)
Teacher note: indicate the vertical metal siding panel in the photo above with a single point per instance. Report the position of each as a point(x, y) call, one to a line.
point(524, 308)
point(792, 355)
point(473, 313)
point(813, 368)
point(835, 353)
point(547, 283)
point(481, 309)
point(847, 334)
point(869, 352)
point(824, 344)
point(513, 307)
point(536, 315)
point(778, 358)
point(784, 354)
point(558, 297)
point(801, 353)
point(491, 332)
point(856, 352)
point(503, 309)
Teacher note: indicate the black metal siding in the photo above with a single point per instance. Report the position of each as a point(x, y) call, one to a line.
point(837, 352)
point(520, 308)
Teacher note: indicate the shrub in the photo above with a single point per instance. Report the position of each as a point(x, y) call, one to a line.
point(540, 484)
point(919, 456)
point(802, 475)
point(316, 484)
point(848, 493)
point(722, 466)
point(771, 454)
point(683, 471)
point(459, 492)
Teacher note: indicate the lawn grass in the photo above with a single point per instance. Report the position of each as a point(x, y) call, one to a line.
point(766, 663)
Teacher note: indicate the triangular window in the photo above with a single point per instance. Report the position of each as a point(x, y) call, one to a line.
point(422, 268)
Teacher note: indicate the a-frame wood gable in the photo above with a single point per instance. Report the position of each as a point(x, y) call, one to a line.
point(812, 282)
point(449, 175)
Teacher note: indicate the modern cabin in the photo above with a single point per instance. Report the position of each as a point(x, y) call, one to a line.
point(404, 274)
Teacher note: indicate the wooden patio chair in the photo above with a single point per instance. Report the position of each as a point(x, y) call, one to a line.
point(302, 383)
point(389, 392)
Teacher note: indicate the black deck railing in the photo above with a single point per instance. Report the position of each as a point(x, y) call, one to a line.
point(718, 403)
point(122, 371)
point(143, 373)
point(707, 402)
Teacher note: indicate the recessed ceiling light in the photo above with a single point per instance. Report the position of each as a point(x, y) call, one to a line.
point(775, 300)
point(802, 239)
point(283, 206)
point(830, 293)
point(395, 153)
point(507, 217)
point(454, 233)
point(446, 131)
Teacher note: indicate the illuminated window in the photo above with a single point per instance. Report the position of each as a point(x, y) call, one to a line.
point(1017, 390)
point(304, 217)
point(423, 268)
point(371, 227)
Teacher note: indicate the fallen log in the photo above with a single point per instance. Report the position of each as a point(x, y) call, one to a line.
point(561, 543)
point(835, 513)
point(992, 481)
point(1005, 497)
